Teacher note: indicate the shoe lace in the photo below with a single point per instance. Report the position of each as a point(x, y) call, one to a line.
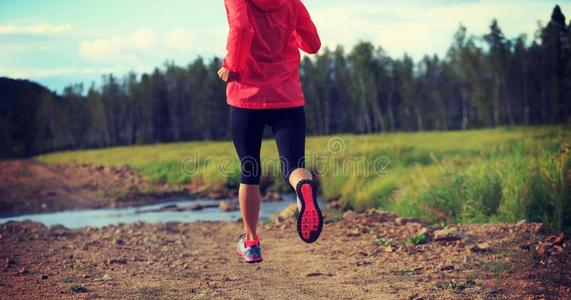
point(254, 251)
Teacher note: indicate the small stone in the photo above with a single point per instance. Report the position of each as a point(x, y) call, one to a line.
point(446, 267)
point(422, 231)
point(120, 261)
point(363, 263)
point(415, 297)
point(558, 240)
point(195, 207)
point(78, 289)
point(403, 221)
point(228, 205)
point(355, 233)
point(272, 197)
point(215, 294)
point(288, 213)
point(315, 274)
point(106, 277)
point(481, 247)
point(22, 271)
point(44, 277)
point(448, 234)
point(349, 215)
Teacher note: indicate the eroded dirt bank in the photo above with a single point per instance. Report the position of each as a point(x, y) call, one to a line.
point(28, 187)
point(362, 256)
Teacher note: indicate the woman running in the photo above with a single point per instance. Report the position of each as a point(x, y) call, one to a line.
point(262, 71)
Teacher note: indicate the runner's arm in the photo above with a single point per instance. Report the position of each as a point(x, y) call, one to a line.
point(240, 35)
point(305, 32)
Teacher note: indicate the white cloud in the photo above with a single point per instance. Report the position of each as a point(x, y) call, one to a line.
point(181, 39)
point(119, 48)
point(407, 26)
point(143, 45)
point(43, 28)
point(53, 72)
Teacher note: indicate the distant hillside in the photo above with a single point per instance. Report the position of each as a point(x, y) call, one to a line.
point(19, 103)
point(12, 89)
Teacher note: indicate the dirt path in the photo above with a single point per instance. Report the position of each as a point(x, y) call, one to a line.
point(358, 257)
point(30, 187)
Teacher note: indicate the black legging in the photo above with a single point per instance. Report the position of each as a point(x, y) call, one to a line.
point(288, 127)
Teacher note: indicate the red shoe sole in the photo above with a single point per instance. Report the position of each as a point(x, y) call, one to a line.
point(310, 220)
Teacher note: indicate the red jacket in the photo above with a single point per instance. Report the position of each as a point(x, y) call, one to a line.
point(263, 49)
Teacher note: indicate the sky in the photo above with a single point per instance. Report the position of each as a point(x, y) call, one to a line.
point(59, 42)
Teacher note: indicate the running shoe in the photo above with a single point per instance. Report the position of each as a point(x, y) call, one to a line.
point(310, 219)
point(251, 251)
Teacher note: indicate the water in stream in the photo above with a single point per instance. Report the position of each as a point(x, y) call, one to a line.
point(148, 213)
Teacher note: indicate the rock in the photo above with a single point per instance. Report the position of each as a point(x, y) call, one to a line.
point(22, 271)
point(194, 207)
point(58, 230)
point(119, 261)
point(363, 263)
point(354, 233)
point(422, 231)
point(403, 221)
point(557, 239)
point(272, 197)
point(288, 213)
point(228, 205)
point(379, 216)
point(44, 277)
point(535, 228)
point(106, 277)
point(448, 234)
point(481, 247)
point(216, 195)
point(78, 289)
point(315, 274)
point(415, 297)
point(349, 215)
point(336, 204)
point(172, 227)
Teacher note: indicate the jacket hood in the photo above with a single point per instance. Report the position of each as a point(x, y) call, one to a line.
point(269, 5)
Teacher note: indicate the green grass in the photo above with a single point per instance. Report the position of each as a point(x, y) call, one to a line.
point(477, 176)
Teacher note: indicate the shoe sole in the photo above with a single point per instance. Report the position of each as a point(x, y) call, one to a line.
point(247, 259)
point(310, 220)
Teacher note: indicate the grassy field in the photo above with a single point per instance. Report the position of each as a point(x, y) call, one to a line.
point(477, 176)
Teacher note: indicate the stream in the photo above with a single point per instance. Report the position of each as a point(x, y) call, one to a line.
point(149, 213)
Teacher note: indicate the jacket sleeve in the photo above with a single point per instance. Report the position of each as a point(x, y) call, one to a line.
point(305, 32)
point(240, 35)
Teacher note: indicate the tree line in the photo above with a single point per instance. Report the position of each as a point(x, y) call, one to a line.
point(482, 81)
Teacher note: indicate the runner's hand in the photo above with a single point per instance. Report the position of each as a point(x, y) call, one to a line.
point(226, 75)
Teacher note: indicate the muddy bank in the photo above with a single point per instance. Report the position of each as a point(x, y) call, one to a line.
point(28, 187)
point(374, 255)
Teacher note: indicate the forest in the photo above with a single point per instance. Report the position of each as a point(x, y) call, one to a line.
point(482, 81)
